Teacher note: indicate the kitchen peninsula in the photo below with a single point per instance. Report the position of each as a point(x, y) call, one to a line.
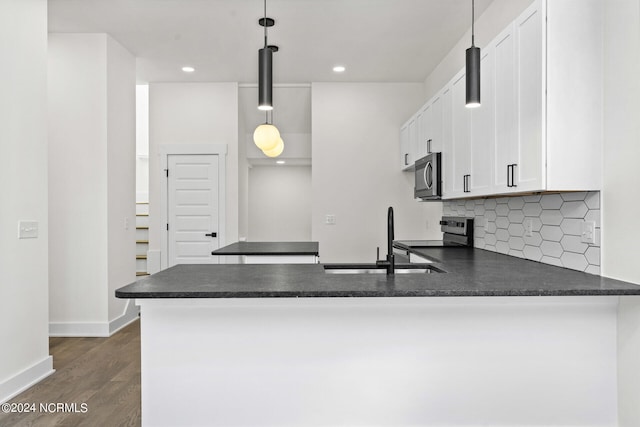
point(491, 340)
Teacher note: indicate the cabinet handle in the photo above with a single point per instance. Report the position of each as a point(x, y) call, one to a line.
point(465, 183)
point(406, 156)
point(428, 146)
point(214, 234)
point(513, 175)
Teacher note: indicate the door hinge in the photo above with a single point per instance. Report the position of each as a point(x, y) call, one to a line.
point(167, 226)
point(166, 171)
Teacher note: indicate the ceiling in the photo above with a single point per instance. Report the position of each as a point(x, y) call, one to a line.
point(377, 41)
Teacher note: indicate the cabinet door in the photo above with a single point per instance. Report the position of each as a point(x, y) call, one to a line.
point(424, 135)
point(506, 113)
point(437, 123)
point(483, 130)
point(461, 137)
point(531, 162)
point(404, 147)
point(413, 142)
point(447, 142)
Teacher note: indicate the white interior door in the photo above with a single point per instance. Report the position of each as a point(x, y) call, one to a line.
point(193, 208)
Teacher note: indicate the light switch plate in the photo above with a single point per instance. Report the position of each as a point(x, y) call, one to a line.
point(588, 232)
point(528, 227)
point(28, 230)
point(330, 219)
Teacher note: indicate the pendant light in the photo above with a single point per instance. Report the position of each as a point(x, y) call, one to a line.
point(265, 66)
point(267, 138)
point(275, 151)
point(472, 71)
point(266, 135)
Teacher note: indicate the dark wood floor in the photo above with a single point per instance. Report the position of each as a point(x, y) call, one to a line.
point(103, 373)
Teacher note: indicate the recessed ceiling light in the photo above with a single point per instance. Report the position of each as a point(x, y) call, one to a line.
point(188, 69)
point(280, 162)
point(339, 69)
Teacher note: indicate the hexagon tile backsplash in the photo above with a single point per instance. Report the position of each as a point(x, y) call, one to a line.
point(547, 227)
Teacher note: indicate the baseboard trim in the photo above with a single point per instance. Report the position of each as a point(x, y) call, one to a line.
point(131, 314)
point(101, 329)
point(76, 329)
point(25, 379)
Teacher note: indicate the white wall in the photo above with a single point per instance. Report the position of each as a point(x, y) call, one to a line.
point(121, 173)
point(356, 174)
point(77, 177)
point(24, 357)
point(493, 20)
point(192, 113)
point(280, 203)
point(142, 143)
point(91, 103)
point(620, 195)
point(243, 178)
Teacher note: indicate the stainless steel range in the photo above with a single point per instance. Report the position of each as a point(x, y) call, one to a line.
point(458, 232)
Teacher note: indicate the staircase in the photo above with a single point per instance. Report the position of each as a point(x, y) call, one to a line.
point(142, 238)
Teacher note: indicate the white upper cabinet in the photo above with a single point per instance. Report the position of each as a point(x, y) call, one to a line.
point(539, 127)
point(404, 147)
point(471, 145)
point(425, 126)
point(527, 173)
point(483, 133)
point(506, 113)
point(460, 147)
point(408, 143)
point(574, 100)
point(423, 133)
point(540, 124)
point(435, 138)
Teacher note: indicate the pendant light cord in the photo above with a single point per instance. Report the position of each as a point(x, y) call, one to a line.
point(265, 23)
point(473, 19)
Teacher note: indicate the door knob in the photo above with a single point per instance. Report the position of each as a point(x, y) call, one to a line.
point(212, 234)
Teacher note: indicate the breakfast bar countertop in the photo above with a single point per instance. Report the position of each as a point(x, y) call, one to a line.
point(269, 248)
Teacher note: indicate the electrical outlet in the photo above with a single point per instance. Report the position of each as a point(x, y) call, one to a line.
point(330, 219)
point(528, 227)
point(126, 223)
point(588, 232)
point(28, 230)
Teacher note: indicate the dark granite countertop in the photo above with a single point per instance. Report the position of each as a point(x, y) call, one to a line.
point(269, 248)
point(467, 272)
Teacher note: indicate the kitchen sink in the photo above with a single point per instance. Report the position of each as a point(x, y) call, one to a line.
point(379, 269)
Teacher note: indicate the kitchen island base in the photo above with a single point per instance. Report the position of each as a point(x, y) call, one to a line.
point(535, 361)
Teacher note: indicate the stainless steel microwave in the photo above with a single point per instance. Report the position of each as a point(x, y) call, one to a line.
point(428, 173)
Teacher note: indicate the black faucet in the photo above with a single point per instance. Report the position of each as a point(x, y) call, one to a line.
point(390, 262)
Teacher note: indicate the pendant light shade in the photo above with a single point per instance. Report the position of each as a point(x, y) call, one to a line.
point(265, 79)
point(266, 137)
point(265, 66)
point(473, 77)
point(472, 69)
point(275, 151)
